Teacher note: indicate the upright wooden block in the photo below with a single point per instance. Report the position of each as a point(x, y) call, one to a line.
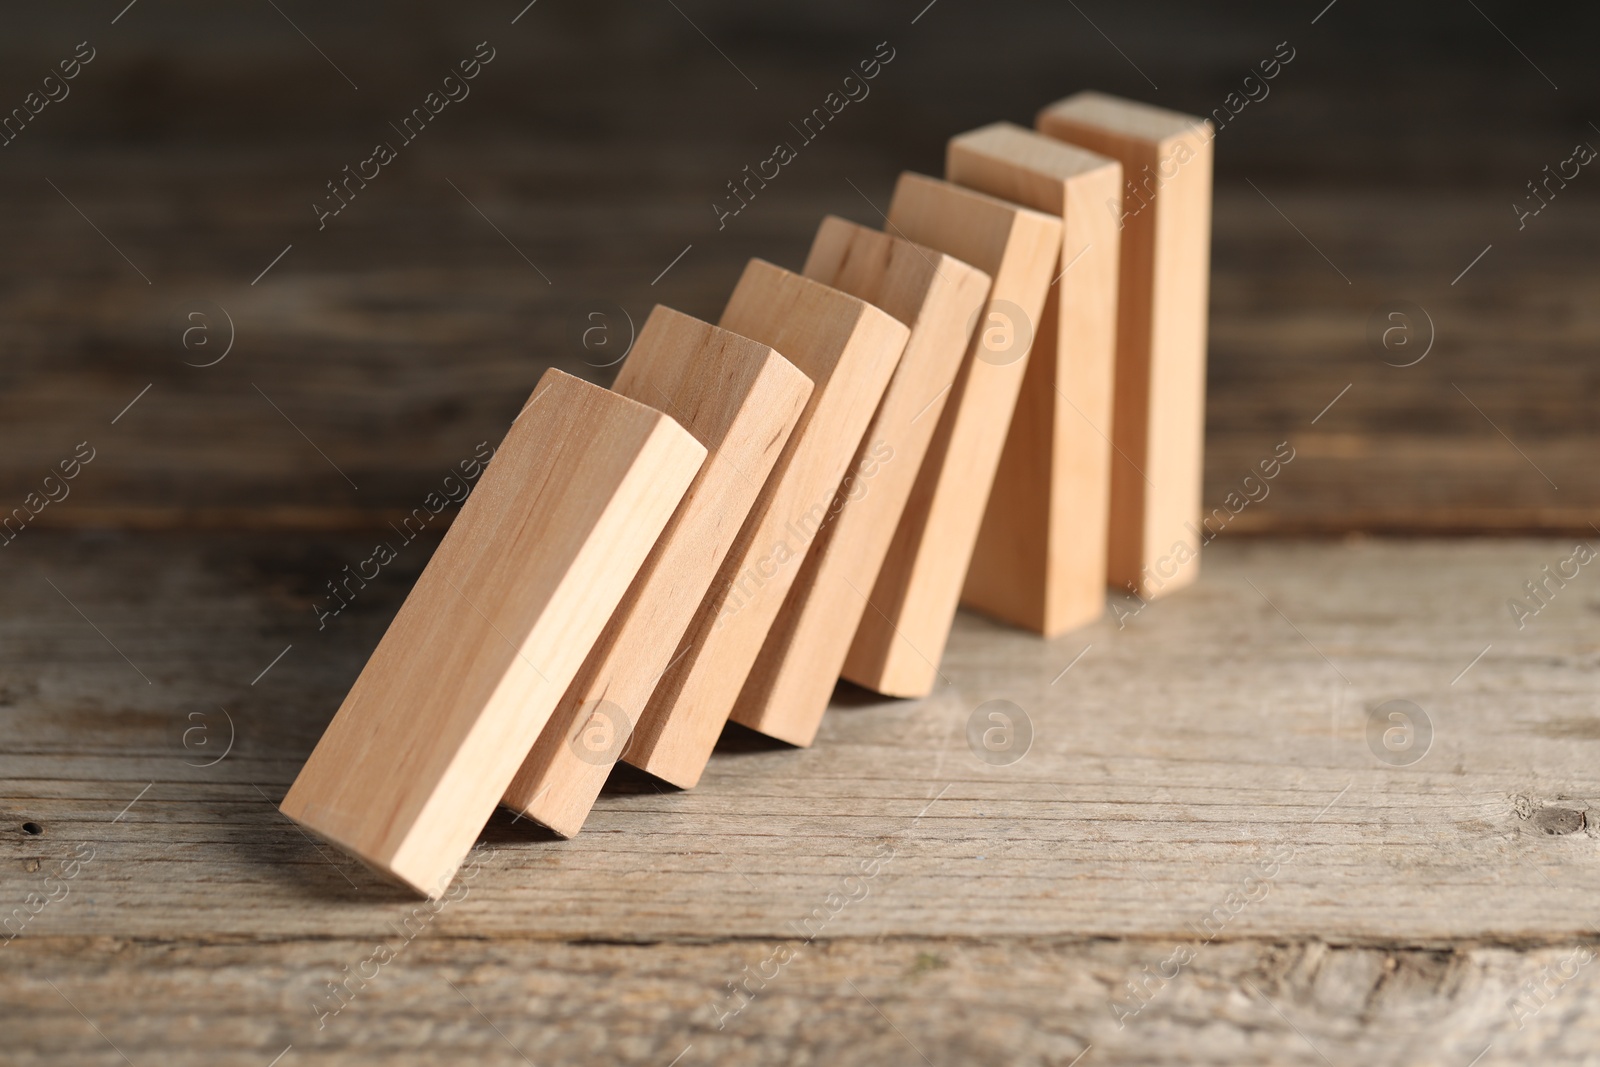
point(442, 715)
point(1159, 424)
point(938, 297)
point(849, 349)
point(741, 400)
point(1040, 560)
point(901, 637)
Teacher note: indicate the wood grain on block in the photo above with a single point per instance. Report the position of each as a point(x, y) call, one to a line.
point(1040, 560)
point(897, 646)
point(849, 349)
point(1159, 422)
point(938, 297)
point(741, 400)
point(441, 716)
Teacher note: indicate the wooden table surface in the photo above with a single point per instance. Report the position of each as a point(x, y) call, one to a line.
point(1203, 857)
point(1200, 779)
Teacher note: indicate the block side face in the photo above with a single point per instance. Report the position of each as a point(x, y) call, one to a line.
point(1128, 547)
point(1178, 366)
point(695, 696)
point(648, 491)
point(804, 652)
point(1085, 424)
point(1029, 568)
point(443, 664)
point(920, 582)
point(1009, 571)
point(562, 776)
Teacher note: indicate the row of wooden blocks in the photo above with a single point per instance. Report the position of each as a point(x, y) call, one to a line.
point(997, 400)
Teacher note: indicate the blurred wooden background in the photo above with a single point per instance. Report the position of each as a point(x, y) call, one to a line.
point(593, 145)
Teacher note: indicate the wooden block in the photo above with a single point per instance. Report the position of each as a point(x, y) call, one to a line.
point(901, 637)
point(741, 400)
point(1040, 560)
point(1159, 422)
point(849, 349)
point(938, 297)
point(443, 713)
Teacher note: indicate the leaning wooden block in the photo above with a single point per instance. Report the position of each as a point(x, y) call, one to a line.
point(901, 637)
point(443, 713)
point(849, 349)
point(938, 297)
point(1040, 560)
point(1159, 423)
point(741, 400)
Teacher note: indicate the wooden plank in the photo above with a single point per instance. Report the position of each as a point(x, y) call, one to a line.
point(430, 735)
point(1040, 558)
point(938, 297)
point(739, 399)
point(1159, 422)
point(1037, 1001)
point(897, 647)
point(849, 349)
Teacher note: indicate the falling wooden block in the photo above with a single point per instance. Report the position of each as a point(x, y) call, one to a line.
point(938, 297)
point(741, 400)
point(430, 735)
point(849, 349)
point(901, 637)
point(1158, 426)
point(1040, 560)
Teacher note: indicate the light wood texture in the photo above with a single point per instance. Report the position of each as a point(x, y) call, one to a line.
point(899, 642)
point(1159, 422)
point(938, 297)
point(739, 399)
point(1176, 754)
point(849, 349)
point(1040, 558)
point(430, 735)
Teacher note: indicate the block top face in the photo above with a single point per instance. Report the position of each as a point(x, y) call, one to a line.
point(1143, 122)
point(975, 227)
point(888, 271)
point(675, 356)
point(808, 322)
point(1018, 146)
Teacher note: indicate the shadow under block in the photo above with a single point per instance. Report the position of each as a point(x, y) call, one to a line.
point(1040, 560)
point(1159, 421)
point(901, 637)
point(739, 399)
point(938, 297)
point(441, 716)
point(848, 348)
